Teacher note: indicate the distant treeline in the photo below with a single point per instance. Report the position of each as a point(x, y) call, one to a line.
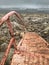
point(24, 10)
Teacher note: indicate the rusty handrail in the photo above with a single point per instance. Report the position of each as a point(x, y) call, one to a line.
point(12, 40)
point(5, 18)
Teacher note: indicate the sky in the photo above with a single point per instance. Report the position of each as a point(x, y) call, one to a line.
point(24, 3)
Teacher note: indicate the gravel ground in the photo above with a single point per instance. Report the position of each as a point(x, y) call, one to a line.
point(38, 23)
